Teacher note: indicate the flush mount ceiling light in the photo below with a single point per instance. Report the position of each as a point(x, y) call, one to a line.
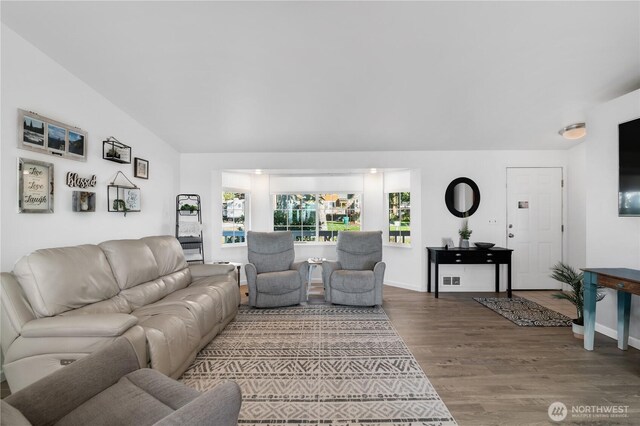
point(573, 131)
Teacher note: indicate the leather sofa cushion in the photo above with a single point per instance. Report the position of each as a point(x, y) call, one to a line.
point(57, 280)
point(115, 305)
point(172, 332)
point(353, 281)
point(204, 302)
point(144, 294)
point(168, 254)
point(278, 282)
point(177, 280)
point(132, 262)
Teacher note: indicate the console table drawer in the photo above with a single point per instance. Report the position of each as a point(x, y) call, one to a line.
point(619, 284)
point(471, 257)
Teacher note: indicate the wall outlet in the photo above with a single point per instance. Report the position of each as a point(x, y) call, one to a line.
point(446, 280)
point(493, 221)
point(455, 281)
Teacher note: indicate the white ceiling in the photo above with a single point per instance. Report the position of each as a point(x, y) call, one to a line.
point(345, 76)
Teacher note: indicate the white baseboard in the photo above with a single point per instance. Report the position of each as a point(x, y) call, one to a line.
point(610, 332)
point(405, 286)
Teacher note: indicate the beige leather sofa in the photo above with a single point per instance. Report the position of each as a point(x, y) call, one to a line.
point(61, 304)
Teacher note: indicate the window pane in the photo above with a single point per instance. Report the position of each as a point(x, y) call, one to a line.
point(393, 200)
point(400, 217)
point(295, 217)
point(405, 199)
point(405, 216)
point(233, 217)
point(317, 216)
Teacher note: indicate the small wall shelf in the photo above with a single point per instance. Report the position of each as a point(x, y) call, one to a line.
point(123, 198)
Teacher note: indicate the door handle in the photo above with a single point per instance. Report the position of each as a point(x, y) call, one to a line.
point(511, 235)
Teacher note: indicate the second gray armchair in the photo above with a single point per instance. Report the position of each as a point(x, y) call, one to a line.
point(357, 277)
point(273, 278)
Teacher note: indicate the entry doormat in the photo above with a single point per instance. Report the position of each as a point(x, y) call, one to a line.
point(525, 313)
point(319, 365)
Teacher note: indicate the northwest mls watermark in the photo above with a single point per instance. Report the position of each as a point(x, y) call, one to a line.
point(559, 412)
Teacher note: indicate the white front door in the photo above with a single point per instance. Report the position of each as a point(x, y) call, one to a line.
point(534, 225)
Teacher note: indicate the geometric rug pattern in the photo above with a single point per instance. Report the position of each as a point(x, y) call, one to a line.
point(319, 365)
point(525, 313)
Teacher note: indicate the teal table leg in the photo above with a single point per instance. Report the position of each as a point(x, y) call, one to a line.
point(590, 290)
point(624, 312)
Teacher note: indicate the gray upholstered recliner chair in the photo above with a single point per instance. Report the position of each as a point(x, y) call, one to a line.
point(109, 388)
point(357, 277)
point(273, 278)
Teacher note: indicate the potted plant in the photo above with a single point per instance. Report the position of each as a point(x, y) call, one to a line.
point(465, 233)
point(189, 207)
point(120, 206)
point(568, 275)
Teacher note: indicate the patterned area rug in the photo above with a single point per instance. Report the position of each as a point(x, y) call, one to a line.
point(525, 313)
point(319, 365)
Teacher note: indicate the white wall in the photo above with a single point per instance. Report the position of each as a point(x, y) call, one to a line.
point(33, 81)
point(431, 173)
point(611, 241)
point(576, 188)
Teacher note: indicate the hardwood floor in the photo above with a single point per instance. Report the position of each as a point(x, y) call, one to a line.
point(489, 371)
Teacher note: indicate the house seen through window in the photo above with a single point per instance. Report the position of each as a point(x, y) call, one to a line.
point(400, 217)
point(233, 217)
point(316, 217)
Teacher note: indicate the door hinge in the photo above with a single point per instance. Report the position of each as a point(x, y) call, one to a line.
point(562, 228)
point(562, 183)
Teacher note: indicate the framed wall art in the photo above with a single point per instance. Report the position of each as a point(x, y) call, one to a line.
point(114, 150)
point(140, 168)
point(35, 186)
point(41, 134)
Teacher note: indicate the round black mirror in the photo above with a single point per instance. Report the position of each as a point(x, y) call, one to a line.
point(462, 197)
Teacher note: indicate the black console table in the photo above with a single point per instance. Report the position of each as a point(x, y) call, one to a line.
point(465, 256)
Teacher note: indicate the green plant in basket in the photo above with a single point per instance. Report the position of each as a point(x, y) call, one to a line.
point(189, 207)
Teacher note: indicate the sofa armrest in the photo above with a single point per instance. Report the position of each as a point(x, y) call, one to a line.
point(378, 273)
point(95, 325)
point(303, 271)
point(252, 275)
point(206, 270)
point(328, 267)
point(302, 268)
point(219, 406)
point(15, 311)
point(56, 395)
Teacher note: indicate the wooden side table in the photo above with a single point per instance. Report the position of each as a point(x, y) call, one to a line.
point(314, 262)
point(626, 282)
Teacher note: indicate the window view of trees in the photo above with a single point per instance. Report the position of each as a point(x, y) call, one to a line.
point(316, 217)
point(400, 217)
point(233, 217)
